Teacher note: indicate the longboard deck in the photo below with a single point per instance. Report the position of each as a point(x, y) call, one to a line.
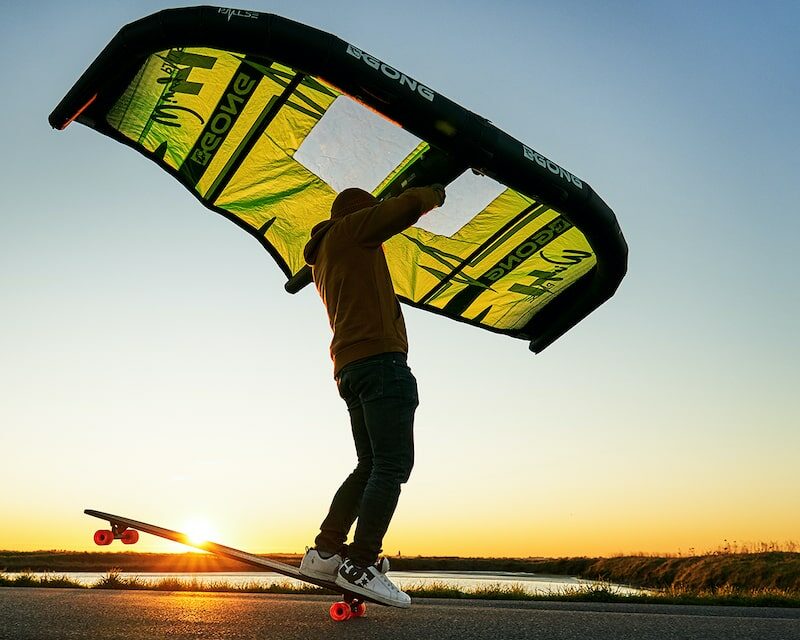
point(227, 552)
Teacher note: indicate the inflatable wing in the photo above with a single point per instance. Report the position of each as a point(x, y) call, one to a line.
point(265, 120)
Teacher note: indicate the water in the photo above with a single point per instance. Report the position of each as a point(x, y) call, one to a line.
point(529, 582)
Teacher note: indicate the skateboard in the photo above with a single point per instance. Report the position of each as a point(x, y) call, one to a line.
point(127, 531)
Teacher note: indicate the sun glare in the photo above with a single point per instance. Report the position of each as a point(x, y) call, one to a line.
point(199, 530)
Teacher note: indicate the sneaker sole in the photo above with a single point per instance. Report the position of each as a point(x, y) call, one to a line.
point(361, 591)
point(319, 575)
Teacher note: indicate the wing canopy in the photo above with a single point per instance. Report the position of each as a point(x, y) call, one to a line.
point(267, 139)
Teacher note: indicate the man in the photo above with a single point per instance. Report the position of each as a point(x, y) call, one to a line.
point(369, 359)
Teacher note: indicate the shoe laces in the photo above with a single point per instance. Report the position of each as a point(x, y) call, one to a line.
point(388, 583)
point(382, 565)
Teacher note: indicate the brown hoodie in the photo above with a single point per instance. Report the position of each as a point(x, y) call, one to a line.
point(351, 274)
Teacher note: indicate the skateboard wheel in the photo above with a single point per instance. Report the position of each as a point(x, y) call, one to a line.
point(103, 537)
point(130, 536)
point(359, 610)
point(340, 611)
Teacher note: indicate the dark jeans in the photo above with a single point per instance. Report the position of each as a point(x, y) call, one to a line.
point(381, 396)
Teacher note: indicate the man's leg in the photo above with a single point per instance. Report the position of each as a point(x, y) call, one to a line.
point(389, 421)
point(347, 500)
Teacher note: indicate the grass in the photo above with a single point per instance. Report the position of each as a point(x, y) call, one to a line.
point(707, 573)
point(30, 580)
point(755, 574)
point(603, 592)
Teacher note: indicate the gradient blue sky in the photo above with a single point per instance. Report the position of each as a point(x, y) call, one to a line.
point(151, 363)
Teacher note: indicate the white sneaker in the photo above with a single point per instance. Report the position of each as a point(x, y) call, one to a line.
point(314, 565)
point(372, 582)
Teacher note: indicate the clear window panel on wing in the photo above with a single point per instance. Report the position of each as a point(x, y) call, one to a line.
point(467, 195)
point(352, 146)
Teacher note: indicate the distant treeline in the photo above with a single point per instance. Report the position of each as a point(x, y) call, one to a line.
point(775, 570)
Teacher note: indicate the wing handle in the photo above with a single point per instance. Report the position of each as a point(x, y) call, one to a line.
point(299, 280)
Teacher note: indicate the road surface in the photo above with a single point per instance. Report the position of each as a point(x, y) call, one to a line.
point(45, 614)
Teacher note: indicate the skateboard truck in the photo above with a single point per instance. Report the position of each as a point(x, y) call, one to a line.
point(118, 531)
point(348, 608)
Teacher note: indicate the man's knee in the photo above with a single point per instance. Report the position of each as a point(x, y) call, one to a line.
point(396, 470)
point(406, 467)
point(362, 472)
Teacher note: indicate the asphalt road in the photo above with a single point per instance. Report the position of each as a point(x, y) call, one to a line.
point(44, 614)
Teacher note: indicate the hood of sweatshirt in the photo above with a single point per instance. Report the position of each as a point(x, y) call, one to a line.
point(347, 202)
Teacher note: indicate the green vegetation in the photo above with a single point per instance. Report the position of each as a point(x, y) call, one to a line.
point(609, 593)
point(775, 570)
point(29, 580)
point(757, 575)
point(726, 596)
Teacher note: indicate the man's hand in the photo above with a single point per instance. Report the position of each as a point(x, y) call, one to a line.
point(440, 190)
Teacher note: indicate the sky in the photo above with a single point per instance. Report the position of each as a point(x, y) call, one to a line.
point(151, 364)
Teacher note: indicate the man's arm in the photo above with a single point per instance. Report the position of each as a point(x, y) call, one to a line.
point(376, 225)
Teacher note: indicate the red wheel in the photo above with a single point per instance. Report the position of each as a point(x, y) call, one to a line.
point(130, 536)
point(340, 611)
point(360, 610)
point(103, 537)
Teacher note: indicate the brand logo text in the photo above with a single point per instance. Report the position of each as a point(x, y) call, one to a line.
point(551, 166)
point(391, 72)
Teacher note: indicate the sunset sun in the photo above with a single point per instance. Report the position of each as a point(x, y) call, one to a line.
point(199, 530)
